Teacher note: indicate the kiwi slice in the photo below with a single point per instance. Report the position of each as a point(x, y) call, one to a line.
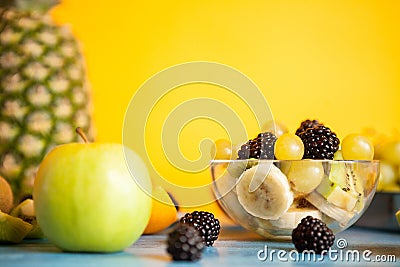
point(12, 229)
point(6, 196)
point(26, 211)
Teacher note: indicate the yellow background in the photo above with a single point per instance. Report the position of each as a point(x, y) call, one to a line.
point(338, 61)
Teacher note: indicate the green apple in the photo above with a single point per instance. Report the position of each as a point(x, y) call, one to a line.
point(87, 199)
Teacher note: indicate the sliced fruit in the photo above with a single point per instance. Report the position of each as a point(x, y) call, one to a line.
point(340, 215)
point(343, 188)
point(367, 179)
point(26, 211)
point(305, 175)
point(163, 211)
point(293, 216)
point(36, 232)
point(341, 197)
point(26, 208)
point(359, 182)
point(13, 229)
point(263, 191)
point(6, 196)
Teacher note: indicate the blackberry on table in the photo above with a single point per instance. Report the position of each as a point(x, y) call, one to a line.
point(313, 235)
point(205, 222)
point(319, 143)
point(185, 243)
point(307, 124)
point(261, 147)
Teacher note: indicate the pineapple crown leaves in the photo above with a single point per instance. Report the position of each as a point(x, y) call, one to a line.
point(30, 5)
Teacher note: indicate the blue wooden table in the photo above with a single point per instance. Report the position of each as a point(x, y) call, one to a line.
point(235, 247)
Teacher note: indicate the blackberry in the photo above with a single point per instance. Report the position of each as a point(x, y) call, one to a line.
point(205, 222)
point(185, 243)
point(319, 143)
point(261, 147)
point(313, 235)
point(307, 124)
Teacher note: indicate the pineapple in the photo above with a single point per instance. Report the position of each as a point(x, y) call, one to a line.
point(44, 93)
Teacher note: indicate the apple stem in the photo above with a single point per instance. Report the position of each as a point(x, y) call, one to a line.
point(82, 134)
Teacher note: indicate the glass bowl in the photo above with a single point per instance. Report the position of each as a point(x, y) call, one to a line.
point(270, 197)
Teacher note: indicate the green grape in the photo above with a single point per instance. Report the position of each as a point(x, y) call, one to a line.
point(276, 127)
point(387, 176)
point(391, 152)
point(305, 175)
point(222, 149)
point(289, 147)
point(357, 147)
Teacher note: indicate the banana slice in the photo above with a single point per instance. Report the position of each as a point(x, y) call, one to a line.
point(293, 217)
point(336, 213)
point(264, 192)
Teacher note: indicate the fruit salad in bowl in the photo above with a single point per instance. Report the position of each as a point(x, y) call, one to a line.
point(276, 181)
point(270, 197)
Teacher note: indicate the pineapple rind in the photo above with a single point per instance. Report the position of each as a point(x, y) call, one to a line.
point(44, 94)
